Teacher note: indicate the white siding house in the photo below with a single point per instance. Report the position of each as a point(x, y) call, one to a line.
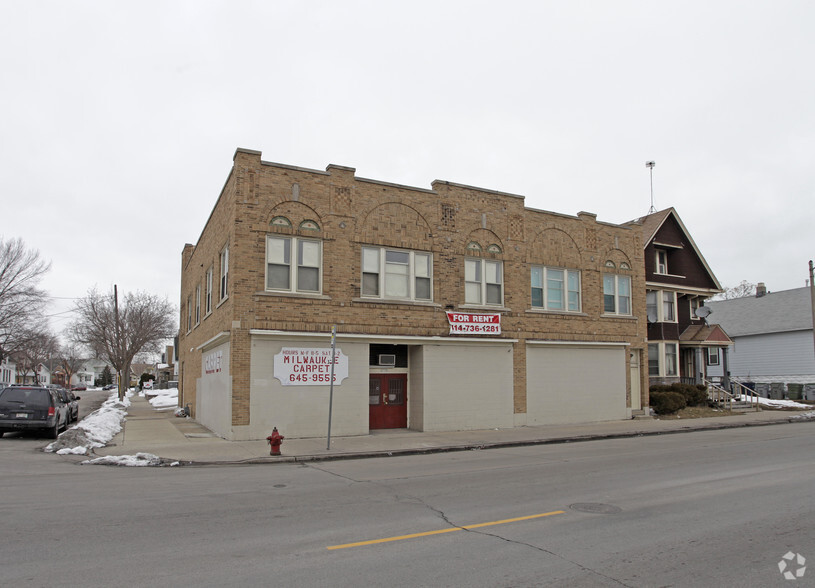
point(773, 339)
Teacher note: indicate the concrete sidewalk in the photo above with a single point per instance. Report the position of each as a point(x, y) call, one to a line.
point(160, 433)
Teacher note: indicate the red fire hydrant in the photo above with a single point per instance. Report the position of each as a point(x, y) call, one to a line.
point(275, 440)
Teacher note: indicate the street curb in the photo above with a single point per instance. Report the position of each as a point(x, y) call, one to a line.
point(479, 446)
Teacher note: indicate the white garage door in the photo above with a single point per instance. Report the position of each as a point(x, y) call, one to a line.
point(574, 384)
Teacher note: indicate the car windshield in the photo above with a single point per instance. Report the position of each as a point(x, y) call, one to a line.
point(27, 396)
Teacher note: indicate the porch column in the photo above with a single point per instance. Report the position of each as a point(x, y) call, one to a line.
point(725, 370)
point(698, 373)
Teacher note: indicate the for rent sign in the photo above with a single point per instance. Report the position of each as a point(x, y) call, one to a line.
point(474, 324)
point(296, 366)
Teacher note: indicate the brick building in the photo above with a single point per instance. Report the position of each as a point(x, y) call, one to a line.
point(455, 307)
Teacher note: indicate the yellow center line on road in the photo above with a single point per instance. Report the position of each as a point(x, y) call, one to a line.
point(440, 531)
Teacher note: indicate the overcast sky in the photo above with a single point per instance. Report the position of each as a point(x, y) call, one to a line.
point(119, 120)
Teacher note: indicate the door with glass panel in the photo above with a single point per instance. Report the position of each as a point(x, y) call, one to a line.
point(387, 400)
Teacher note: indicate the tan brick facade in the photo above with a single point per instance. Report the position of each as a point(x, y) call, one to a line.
point(450, 221)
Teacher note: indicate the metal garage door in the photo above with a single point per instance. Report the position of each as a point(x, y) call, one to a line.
point(575, 384)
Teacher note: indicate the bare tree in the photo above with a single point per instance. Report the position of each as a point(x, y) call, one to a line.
point(118, 331)
point(36, 347)
point(744, 288)
point(21, 301)
point(70, 360)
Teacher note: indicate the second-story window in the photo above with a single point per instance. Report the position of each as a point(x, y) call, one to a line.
point(668, 306)
point(293, 264)
point(208, 292)
point(555, 289)
point(616, 294)
point(396, 274)
point(198, 304)
point(224, 272)
point(483, 282)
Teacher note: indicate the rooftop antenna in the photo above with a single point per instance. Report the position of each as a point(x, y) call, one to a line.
point(650, 165)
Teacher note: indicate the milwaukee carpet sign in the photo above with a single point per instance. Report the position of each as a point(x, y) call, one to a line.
point(296, 366)
point(474, 324)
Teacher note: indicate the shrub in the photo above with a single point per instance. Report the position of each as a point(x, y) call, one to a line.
point(667, 402)
point(695, 395)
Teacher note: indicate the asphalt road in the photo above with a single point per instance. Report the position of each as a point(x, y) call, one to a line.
point(699, 509)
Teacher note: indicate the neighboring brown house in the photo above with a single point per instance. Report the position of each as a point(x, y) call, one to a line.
point(681, 344)
point(455, 307)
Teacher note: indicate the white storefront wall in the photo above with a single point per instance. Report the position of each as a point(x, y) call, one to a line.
point(452, 384)
point(213, 403)
point(575, 383)
point(302, 410)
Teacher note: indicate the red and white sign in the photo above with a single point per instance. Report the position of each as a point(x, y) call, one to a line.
point(295, 366)
point(474, 324)
point(212, 362)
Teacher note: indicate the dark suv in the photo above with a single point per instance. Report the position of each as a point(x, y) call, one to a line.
point(27, 408)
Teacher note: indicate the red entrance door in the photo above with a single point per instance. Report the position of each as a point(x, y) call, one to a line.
point(387, 397)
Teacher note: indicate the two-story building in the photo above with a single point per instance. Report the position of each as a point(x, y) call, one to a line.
point(678, 281)
point(455, 308)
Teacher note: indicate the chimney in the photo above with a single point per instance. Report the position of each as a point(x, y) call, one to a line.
point(761, 290)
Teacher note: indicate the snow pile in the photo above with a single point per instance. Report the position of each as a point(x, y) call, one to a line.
point(770, 403)
point(164, 398)
point(95, 430)
point(140, 459)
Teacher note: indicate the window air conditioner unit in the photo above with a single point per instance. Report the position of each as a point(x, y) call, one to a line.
point(387, 359)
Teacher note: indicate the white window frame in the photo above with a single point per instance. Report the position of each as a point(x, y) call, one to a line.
point(478, 287)
point(198, 305)
point(661, 262)
point(658, 302)
point(224, 279)
point(713, 356)
point(616, 280)
point(189, 313)
point(294, 247)
point(208, 292)
point(547, 275)
point(668, 301)
point(375, 269)
point(663, 353)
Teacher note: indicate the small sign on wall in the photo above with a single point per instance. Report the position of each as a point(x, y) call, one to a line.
point(474, 324)
point(296, 366)
point(212, 362)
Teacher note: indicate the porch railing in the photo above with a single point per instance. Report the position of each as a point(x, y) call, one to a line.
point(751, 395)
point(726, 398)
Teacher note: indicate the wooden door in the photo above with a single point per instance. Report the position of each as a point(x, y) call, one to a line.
point(387, 400)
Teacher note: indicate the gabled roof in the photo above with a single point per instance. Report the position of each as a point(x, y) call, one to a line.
point(705, 334)
point(776, 312)
point(651, 223)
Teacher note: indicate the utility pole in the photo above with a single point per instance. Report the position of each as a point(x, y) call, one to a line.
point(118, 338)
point(812, 297)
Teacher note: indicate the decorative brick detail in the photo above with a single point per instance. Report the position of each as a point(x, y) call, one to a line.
point(448, 217)
point(341, 200)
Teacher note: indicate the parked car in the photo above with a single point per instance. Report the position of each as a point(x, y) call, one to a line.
point(79, 388)
point(27, 408)
point(109, 387)
point(72, 400)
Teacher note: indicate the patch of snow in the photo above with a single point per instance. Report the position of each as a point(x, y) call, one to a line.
point(138, 460)
point(769, 402)
point(165, 398)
